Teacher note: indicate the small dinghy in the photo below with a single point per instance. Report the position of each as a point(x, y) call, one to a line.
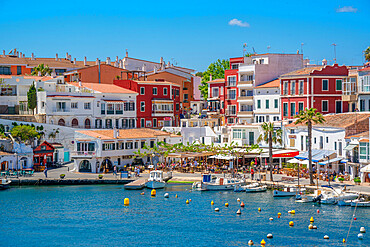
point(256, 187)
point(4, 183)
point(155, 180)
point(360, 203)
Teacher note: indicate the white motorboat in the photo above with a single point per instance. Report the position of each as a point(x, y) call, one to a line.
point(221, 183)
point(360, 203)
point(155, 180)
point(335, 195)
point(255, 187)
point(4, 183)
point(288, 191)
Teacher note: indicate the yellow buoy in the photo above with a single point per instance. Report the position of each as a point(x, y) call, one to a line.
point(126, 202)
point(153, 192)
point(279, 214)
point(259, 209)
point(291, 223)
point(311, 220)
point(187, 201)
point(176, 196)
point(344, 240)
point(292, 212)
point(142, 193)
point(226, 204)
point(212, 203)
point(263, 242)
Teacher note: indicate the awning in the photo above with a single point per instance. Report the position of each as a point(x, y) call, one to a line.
point(350, 147)
point(285, 154)
point(365, 169)
point(317, 155)
point(330, 161)
point(304, 162)
point(293, 161)
point(222, 157)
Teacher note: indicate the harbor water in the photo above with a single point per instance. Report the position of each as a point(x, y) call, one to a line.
point(96, 216)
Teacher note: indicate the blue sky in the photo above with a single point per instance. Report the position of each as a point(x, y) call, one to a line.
point(191, 33)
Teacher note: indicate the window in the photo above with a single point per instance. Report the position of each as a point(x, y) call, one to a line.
point(154, 122)
point(136, 145)
point(102, 110)
point(302, 143)
point(74, 105)
point(142, 123)
point(87, 106)
point(19, 70)
point(235, 66)
point(155, 91)
point(292, 88)
point(338, 85)
point(231, 94)
point(285, 109)
point(259, 104)
point(300, 106)
point(129, 145)
point(152, 144)
point(177, 106)
point(185, 97)
point(215, 92)
point(222, 91)
point(142, 106)
point(314, 140)
point(165, 91)
point(5, 70)
point(292, 109)
point(321, 142)
point(142, 90)
point(362, 105)
point(267, 104)
point(335, 145)
point(285, 88)
point(325, 85)
point(232, 109)
point(276, 103)
point(340, 148)
point(300, 87)
point(327, 139)
point(231, 81)
point(324, 105)
point(142, 144)
point(251, 138)
point(177, 92)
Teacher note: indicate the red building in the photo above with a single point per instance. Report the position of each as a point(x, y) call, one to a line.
point(158, 102)
point(45, 154)
point(231, 90)
point(317, 87)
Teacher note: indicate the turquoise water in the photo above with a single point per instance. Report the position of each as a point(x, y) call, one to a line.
point(95, 216)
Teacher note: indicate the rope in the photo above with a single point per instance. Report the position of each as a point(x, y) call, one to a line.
point(353, 216)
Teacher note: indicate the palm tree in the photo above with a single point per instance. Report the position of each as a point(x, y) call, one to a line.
point(43, 69)
point(367, 54)
point(309, 117)
point(270, 136)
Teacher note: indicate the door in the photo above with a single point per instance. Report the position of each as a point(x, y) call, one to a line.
point(338, 106)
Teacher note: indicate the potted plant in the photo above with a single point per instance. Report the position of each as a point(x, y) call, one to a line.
point(357, 180)
point(340, 179)
point(62, 176)
point(100, 176)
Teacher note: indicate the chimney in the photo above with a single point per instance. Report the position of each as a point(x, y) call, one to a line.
point(121, 64)
point(85, 61)
point(70, 57)
point(32, 56)
point(56, 57)
point(74, 60)
point(67, 56)
point(126, 53)
point(116, 58)
point(324, 62)
point(210, 77)
point(20, 54)
point(116, 64)
point(24, 55)
point(155, 70)
point(125, 63)
point(97, 61)
point(4, 53)
point(108, 60)
point(168, 64)
point(161, 60)
point(17, 54)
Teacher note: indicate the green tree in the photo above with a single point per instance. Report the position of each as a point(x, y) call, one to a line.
point(24, 133)
point(367, 54)
point(270, 136)
point(43, 69)
point(217, 69)
point(200, 74)
point(31, 96)
point(309, 117)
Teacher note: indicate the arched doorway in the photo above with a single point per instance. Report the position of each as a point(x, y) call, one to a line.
point(87, 124)
point(61, 122)
point(106, 165)
point(74, 122)
point(85, 166)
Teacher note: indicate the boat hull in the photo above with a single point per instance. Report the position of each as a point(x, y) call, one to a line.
point(278, 193)
point(214, 187)
point(255, 190)
point(155, 185)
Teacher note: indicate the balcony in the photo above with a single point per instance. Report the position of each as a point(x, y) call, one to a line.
point(61, 110)
point(248, 84)
point(83, 154)
point(162, 113)
point(230, 113)
point(231, 97)
point(245, 113)
point(349, 97)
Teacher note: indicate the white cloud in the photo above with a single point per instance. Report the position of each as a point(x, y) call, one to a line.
point(236, 22)
point(346, 9)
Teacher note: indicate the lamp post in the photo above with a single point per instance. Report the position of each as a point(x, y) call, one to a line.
point(327, 156)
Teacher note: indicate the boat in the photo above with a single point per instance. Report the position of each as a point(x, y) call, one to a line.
point(255, 187)
point(220, 183)
point(335, 195)
point(288, 191)
point(360, 203)
point(155, 180)
point(4, 183)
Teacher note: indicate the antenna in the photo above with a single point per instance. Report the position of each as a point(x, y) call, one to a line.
point(254, 50)
point(244, 48)
point(302, 48)
point(335, 52)
point(268, 49)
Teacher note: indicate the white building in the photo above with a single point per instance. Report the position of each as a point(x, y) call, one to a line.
point(15, 155)
point(89, 105)
point(99, 150)
point(364, 89)
point(267, 102)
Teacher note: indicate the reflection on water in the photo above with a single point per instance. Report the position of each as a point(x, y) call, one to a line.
point(95, 216)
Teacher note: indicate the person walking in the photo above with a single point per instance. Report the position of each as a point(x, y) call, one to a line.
point(46, 171)
point(252, 173)
point(115, 170)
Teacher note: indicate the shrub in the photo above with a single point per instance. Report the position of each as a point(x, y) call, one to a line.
point(340, 179)
point(357, 180)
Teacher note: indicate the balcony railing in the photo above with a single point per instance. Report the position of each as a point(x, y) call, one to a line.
point(230, 113)
point(231, 96)
point(61, 110)
point(83, 154)
point(240, 83)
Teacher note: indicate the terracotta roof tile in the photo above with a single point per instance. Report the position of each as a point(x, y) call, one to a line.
point(157, 82)
point(270, 84)
point(103, 88)
point(124, 133)
point(359, 135)
point(216, 81)
point(303, 71)
point(341, 120)
point(364, 140)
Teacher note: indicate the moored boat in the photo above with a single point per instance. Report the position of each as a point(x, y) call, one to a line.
point(221, 183)
point(360, 203)
point(4, 183)
point(155, 180)
point(256, 187)
point(288, 191)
